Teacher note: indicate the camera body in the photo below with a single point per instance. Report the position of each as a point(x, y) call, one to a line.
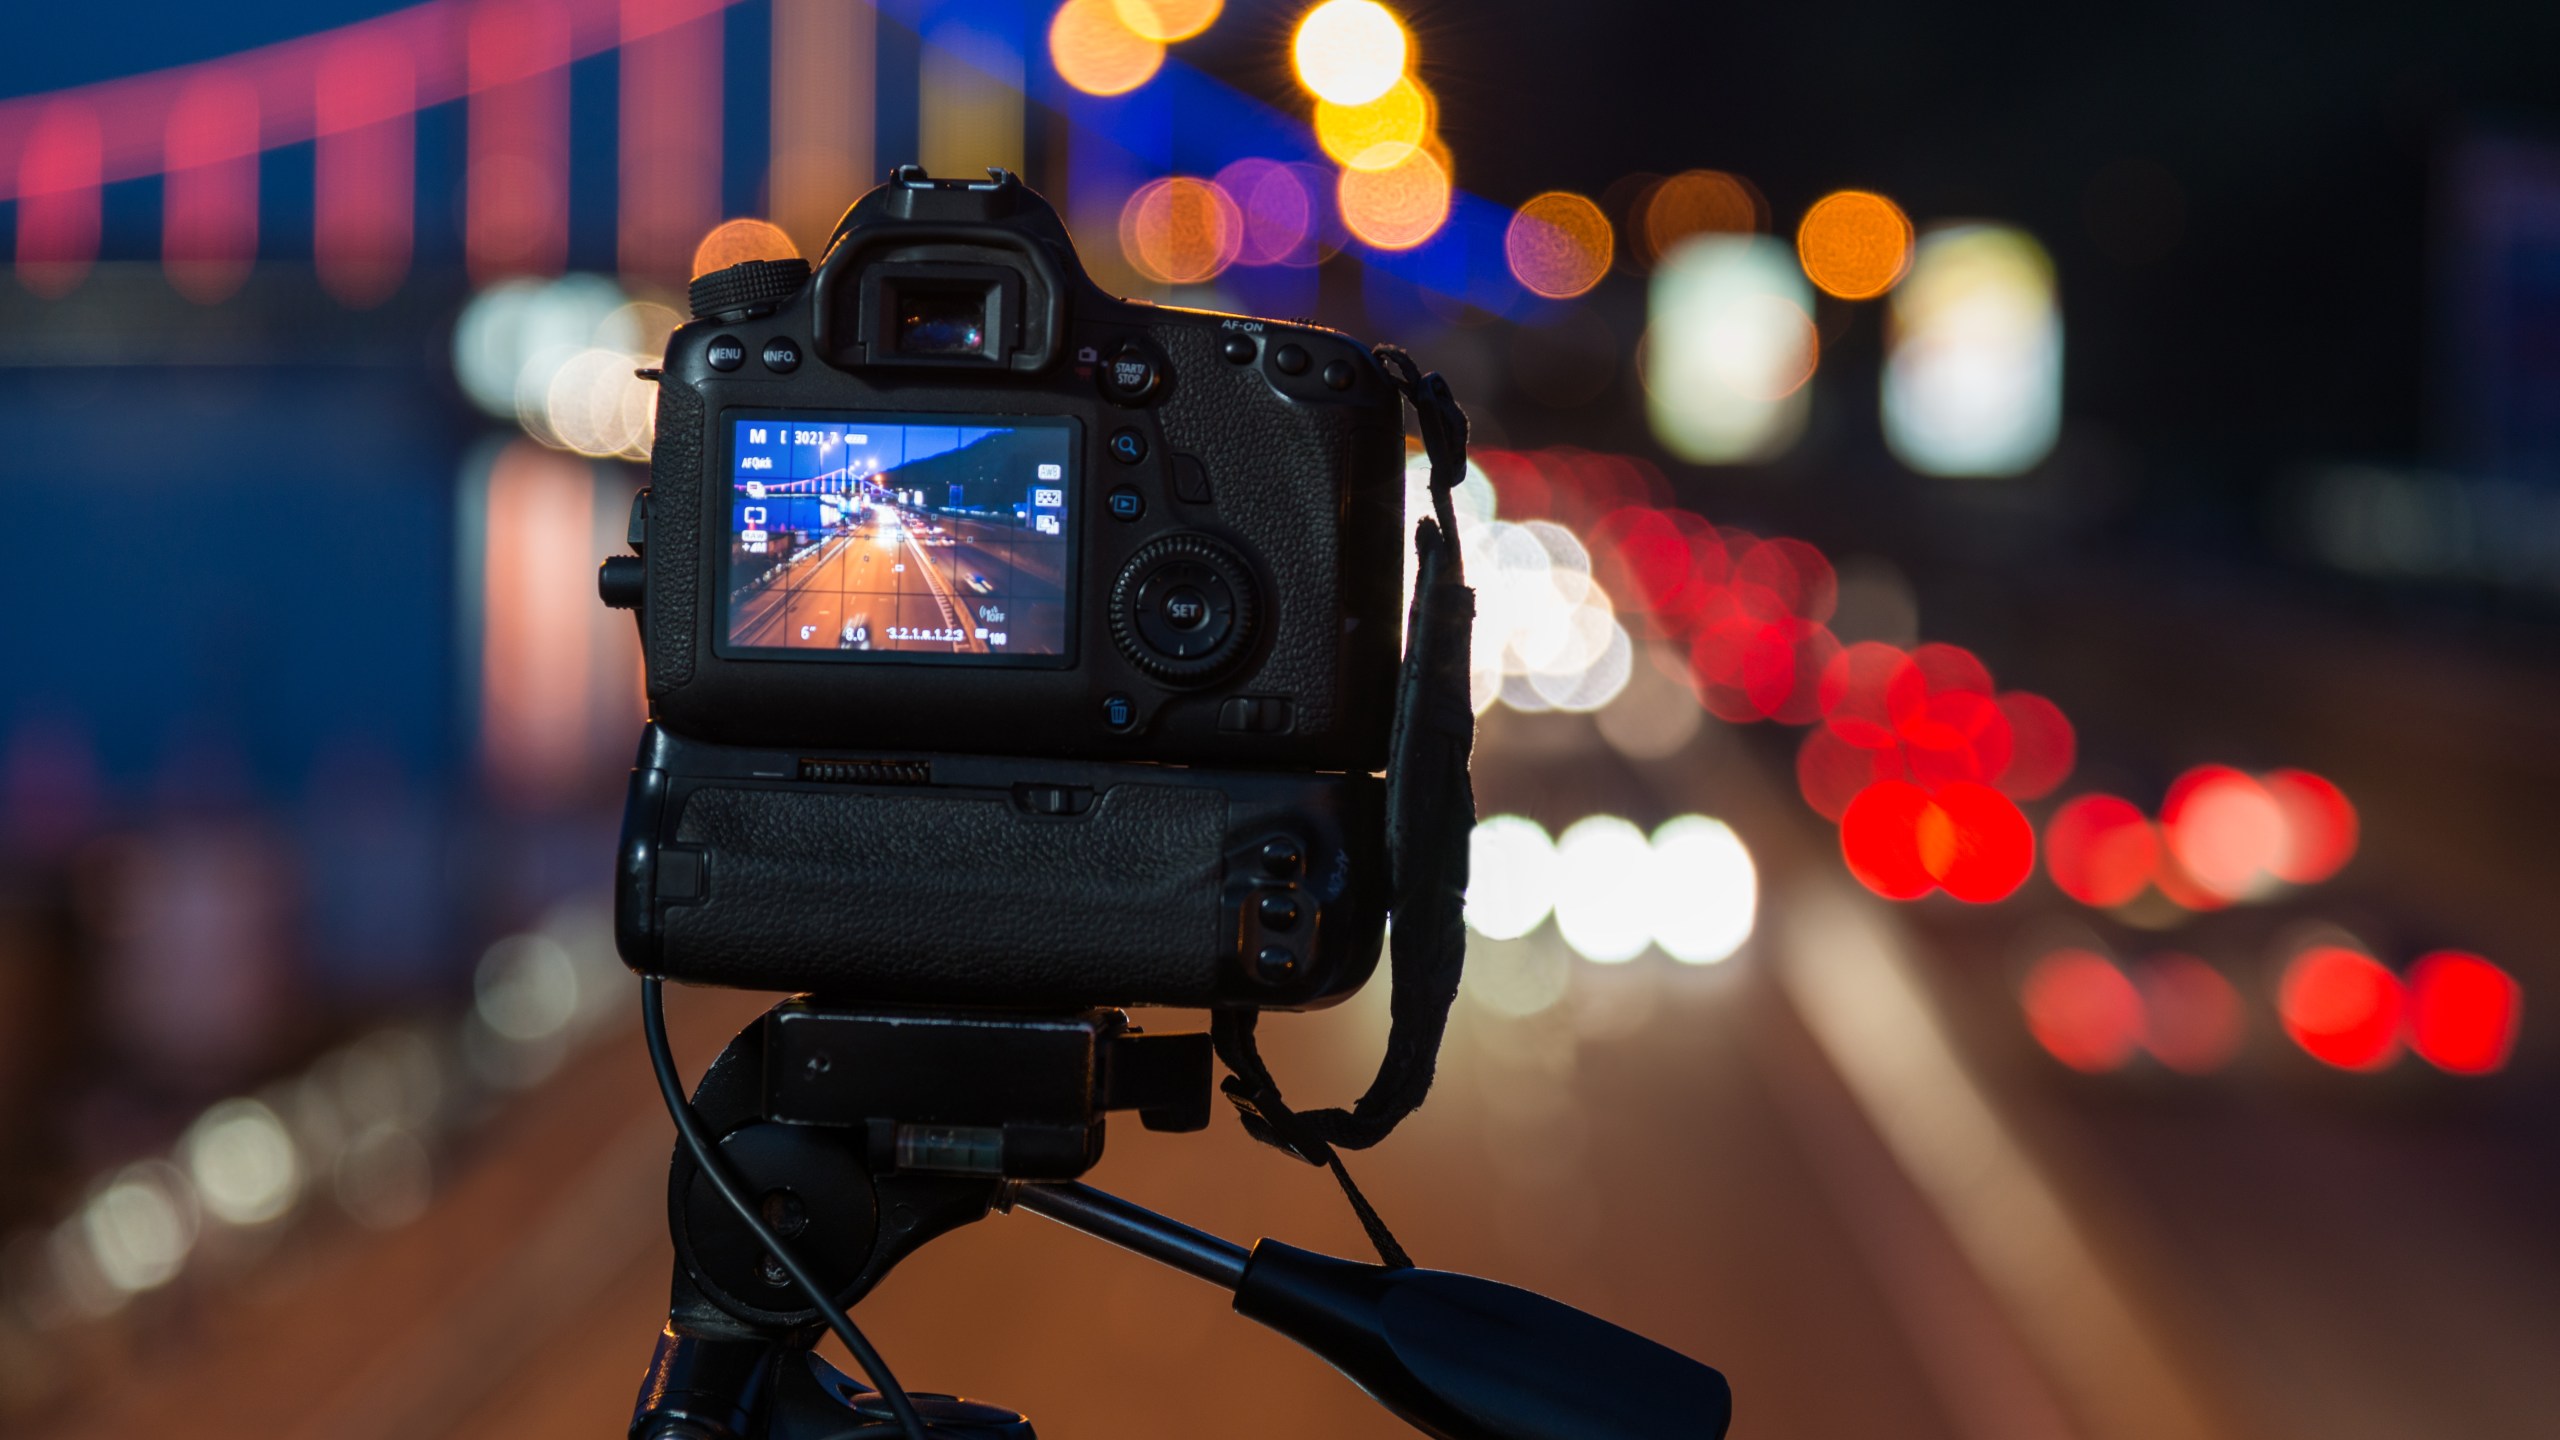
point(949, 496)
point(1009, 643)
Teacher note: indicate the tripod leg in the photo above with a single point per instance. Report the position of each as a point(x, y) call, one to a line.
point(702, 1388)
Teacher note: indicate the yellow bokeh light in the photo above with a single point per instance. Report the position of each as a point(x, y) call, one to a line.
point(1349, 51)
point(1558, 244)
point(1854, 244)
point(733, 242)
point(1398, 208)
point(1165, 21)
point(1380, 134)
point(1696, 202)
point(1181, 230)
point(1097, 52)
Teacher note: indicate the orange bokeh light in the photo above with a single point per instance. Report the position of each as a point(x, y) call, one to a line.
point(1559, 244)
point(1854, 244)
point(734, 242)
point(1181, 230)
point(1396, 208)
point(1166, 21)
point(1697, 202)
point(1097, 52)
point(1379, 134)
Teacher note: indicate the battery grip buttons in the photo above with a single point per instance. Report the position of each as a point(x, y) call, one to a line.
point(1183, 608)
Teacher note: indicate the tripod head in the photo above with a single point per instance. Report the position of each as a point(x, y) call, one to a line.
point(860, 1134)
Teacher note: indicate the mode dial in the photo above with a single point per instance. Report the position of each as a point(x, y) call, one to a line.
point(746, 285)
point(1183, 608)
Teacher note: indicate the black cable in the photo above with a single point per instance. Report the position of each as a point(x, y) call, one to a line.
point(653, 1022)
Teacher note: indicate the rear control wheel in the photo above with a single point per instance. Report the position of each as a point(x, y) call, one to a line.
point(1183, 609)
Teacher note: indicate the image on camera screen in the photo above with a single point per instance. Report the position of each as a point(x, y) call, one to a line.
point(905, 537)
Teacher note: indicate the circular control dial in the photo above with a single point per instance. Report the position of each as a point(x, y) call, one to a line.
point(1183, 608)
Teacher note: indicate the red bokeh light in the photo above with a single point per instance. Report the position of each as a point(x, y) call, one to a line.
point(1880, 838)
point(1830, 771)
point(2082, 1010)
point(2194, 1019)
point(2100, 850)
point(2319, 825)
point(1853, 690)
point(1959, 736)
point(1935, 670)
point(2227, 833)
point(1795, 573)
point(2042, 746)
point(1975, 843)
point(2463, 1013)
point(2343, 1008)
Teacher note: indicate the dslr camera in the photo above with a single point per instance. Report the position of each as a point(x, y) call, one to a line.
point(1008, 643)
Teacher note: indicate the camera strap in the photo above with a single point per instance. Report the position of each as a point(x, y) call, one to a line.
point(1431, 810)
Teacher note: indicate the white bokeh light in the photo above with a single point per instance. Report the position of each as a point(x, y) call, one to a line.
point(1729, 345)
point(1604, 889)
point(243, 1162)
point(1707, 893)
point(1973, 373)
point(1511, 877)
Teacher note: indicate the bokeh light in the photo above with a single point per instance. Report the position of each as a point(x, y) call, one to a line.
point(141, 1225)
point(2082, 1010)
point(1510, 877)
point(2193, 1021)
point(1854, 244)
point(1379, 134)
point(1975, 843)
point(1399, 207)
point(2319, 827)
point(1279, 208)
point(2463, 1013)
point(1349, 51)
point(1973, 372)
point(2342, 1007)
point(734, 242)
point(1604, 890)
point(1706, 892)
point(1098, 52)
point(1696, 202)
point(1558, 244)
point(243, 1162)
point(2225, 831)
point(1880, 839)
point(1181, 230)
point(1166, 21)
point(2100, 850)
point(2042, 746)
point(1728, 347)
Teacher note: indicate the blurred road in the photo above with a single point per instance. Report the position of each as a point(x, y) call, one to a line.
point(938, 575)
point(1828, 1166)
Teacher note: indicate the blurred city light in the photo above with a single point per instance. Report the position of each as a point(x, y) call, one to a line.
point(1349, 51)
point(1168, 20)
point(734, 242)
point(1854, 244)
point(2193, 1021)
point(1379, 134)
point(1510, 877)
point(2319, 827)
point(243, 1162)
point(1401, 206)
point(58, 175)
point(1181, 230)
point(2100, 850)
point(141, 1226)
point(1973, 374)
point(2463, 1013)
point(1605, 889)
point(1278, 204)
point(1705, 890)
point(1558, 244)
point(1694, 202)
point(2082, 1010)
point(1098, 51)
point(2224, 830)
point(1729, 345)
point(209, 203)
point(1963, 837)
point(2342, 1007)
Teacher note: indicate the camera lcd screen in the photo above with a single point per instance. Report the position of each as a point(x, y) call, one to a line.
point(900, 537)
